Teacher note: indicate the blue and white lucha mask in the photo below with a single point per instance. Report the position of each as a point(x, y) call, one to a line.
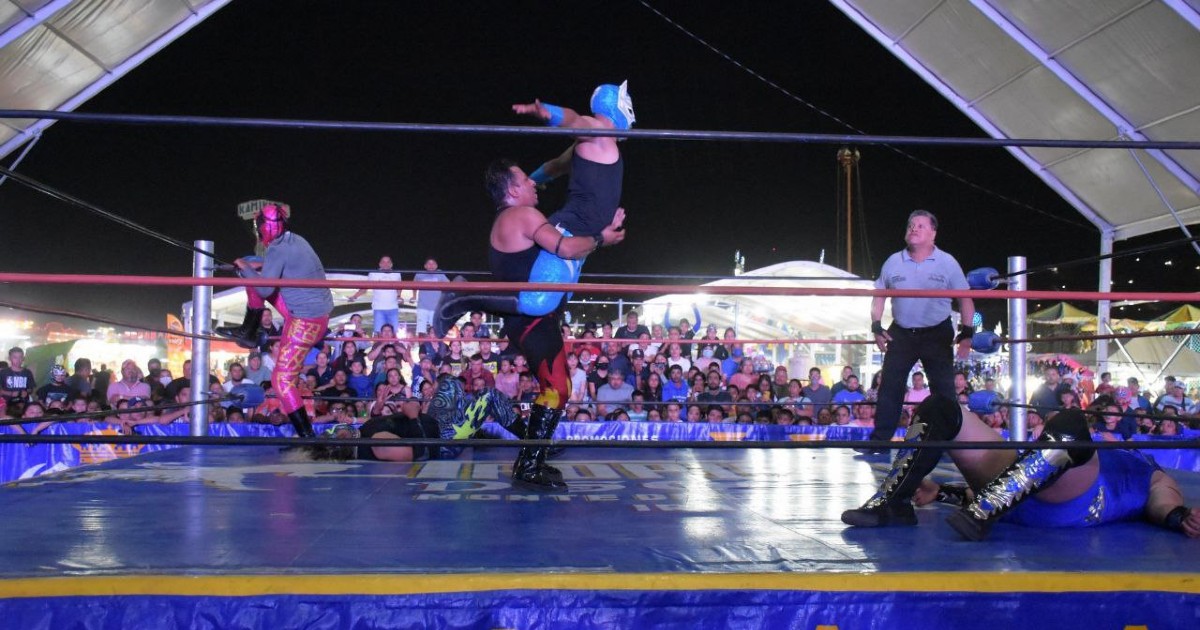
point(614, 103)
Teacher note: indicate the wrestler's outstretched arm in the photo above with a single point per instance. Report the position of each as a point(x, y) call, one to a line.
point(601, 149)
point(1165, 498)
point(560, 117)
point(553, 115)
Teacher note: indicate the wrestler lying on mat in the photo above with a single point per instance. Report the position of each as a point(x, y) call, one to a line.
point(1060, 487)
point(453, 415)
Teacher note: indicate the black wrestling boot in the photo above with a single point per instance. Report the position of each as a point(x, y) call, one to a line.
point(245, 335)
point(530, 470)
point(453, 306)
point(1033, 471)
point(299, 420)
point(520, 429)
point(938, 418)
point(304, 429)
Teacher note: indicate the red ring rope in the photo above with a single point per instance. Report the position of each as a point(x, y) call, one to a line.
point(590, 288)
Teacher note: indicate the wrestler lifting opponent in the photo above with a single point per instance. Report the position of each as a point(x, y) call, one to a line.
point(1059, 487)
point(526, 247)
point(305, 311)
point(520, 234)
point(593, 195)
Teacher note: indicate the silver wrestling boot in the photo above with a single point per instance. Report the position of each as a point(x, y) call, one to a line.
point(1033, 471)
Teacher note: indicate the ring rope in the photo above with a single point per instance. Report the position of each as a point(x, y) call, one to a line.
point(766, 404)
point(590, 288)
point(652, 134)
point(913, 158)
point(90, 415)
point(105, 320)
point(1091, 259)
point(188, 440)
point(93, 208)
point(1177, 332)
point(576, 341)
point(640, 276)
point(1137, 251)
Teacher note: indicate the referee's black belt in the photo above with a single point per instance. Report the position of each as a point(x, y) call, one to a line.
point(927, 329)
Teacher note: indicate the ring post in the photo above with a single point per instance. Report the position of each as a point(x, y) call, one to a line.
point(1104, 307)
point(1016, 351)
point(201, 321)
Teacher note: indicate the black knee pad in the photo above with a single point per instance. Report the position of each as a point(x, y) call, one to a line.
point(1070, 426)
point(941, 415)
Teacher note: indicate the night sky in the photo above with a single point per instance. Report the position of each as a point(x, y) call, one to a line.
point(358, 195)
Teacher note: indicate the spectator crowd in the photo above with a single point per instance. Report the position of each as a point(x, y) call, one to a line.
point(667, 372)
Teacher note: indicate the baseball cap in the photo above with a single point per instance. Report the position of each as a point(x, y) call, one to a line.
point(637, 354)
point(137, 401)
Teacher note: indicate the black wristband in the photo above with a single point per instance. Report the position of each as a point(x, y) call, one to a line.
point(964, 332)
point(955, 494)
point(599, 238)
point(1176, 517)
point(877, 327)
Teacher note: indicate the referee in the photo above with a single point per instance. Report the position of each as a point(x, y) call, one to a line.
point(921, 328)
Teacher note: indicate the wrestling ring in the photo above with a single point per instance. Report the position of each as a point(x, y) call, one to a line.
point(708, 527)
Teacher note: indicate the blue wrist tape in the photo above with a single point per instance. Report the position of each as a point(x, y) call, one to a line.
point(540, 176)
point(556, 115)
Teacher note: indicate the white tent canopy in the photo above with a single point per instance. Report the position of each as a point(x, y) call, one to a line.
point(56, 54)
point(1155, 357)
point(774, 317)
point(1076, 69)
point(1070, 69)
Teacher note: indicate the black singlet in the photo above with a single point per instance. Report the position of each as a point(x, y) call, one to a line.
point(514, 266)
point(592, 196)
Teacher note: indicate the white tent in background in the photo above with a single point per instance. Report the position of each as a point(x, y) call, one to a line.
point(1156, 357)
point(782, 317)
point(774, 317)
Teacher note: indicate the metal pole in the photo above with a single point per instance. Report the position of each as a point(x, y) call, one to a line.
point(1167, 364)
point(201, 320)
point(1016, 352)
point(1135, 364)
point(620, 310)
point(1104, 307)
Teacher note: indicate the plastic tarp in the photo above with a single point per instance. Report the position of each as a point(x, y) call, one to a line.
point(56, 54)
point(652, 609)
point(1062, 313)
point(1155, 355)
point(1069, 69)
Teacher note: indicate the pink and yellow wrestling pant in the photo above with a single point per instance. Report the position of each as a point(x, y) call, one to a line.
point(299, 336)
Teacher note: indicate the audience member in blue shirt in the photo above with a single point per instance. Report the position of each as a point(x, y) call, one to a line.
point(675, 388)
